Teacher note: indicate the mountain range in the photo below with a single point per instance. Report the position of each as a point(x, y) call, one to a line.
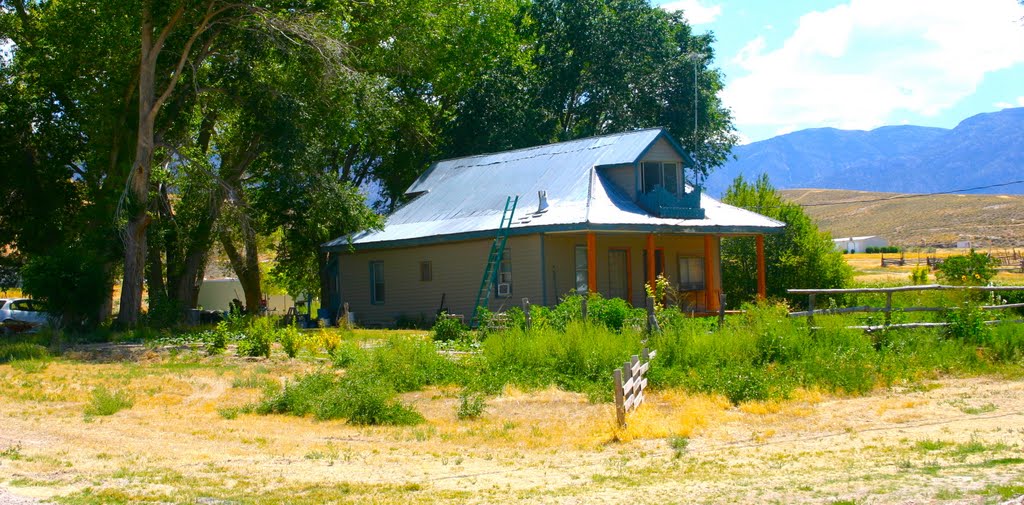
point(983, 150)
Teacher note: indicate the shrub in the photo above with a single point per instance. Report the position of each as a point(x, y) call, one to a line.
point(291, 340)
point(967, 323)
point(361, 399)
point(471, 405)
point(72, 281)
point(612, 313)
point(408, 364)
point(447, 328)
point(105, 402)
point(345, 354)
point(919, 275)
point(22, 351)
point(257, 337)
point(970, 269)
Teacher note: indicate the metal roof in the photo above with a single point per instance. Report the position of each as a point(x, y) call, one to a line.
point(463, 198)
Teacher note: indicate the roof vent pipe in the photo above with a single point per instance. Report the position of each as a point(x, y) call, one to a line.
point(542, 201)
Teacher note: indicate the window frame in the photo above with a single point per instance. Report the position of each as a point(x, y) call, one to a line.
point(377, 298)
point(661, 166)
point(426, 271)
point(578, 287)
point(628, 273)
point(503, 275)
point(691, 285)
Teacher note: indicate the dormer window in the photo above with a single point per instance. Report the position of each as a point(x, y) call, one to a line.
point(656, 173)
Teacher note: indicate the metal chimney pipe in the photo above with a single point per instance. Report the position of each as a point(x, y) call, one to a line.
point(542, 204)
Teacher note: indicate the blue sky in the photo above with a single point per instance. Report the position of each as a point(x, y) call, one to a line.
point(861, 64)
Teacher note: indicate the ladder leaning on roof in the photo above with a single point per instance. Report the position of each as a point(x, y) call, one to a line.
point(494, 257)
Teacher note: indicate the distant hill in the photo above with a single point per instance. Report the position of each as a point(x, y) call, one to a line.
point(982, 150)
point(933, 221)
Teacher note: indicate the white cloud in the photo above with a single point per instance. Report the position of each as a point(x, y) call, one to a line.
point(1008, 105)
point(694, 11)
point(855, 65)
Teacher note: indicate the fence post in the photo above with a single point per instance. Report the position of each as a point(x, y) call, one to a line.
point(620, 407)
point(888, 308)
point(721, 309)
point(652, 320)
point(526, 313)
point(810, 310)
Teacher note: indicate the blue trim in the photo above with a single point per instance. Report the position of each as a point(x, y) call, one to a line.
point(581, 227)
point(543, 272)
point(636, 173)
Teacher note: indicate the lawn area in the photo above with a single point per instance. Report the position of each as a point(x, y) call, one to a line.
point(733, 415)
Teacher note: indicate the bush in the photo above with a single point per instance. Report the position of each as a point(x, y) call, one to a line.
point(72, 281)
point(408, 364)
point(22, 351)
point(361, 399)
point(970, 269)
point(257, 337)
point(447, 328)
point(105, 402)
point(291, 340)
point(967, 323)
point(471, 405)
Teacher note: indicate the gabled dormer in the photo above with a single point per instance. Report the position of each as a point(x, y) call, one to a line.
point(657, 181)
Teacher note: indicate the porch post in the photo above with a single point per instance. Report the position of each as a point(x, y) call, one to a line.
point(762, 286)
point(650, 260)
point(591, 262)
point(710, 293)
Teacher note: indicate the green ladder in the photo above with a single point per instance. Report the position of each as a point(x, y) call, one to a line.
point(494, 257)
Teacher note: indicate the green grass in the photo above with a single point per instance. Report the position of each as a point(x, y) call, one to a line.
point(105, 402)
point(22, 351)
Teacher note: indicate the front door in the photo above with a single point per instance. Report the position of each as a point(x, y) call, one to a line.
point(618, 274)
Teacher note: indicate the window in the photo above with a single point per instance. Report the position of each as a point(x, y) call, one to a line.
point(503, 288)
point(691, 273)
point(376, 282)
point(426, 271)
point(665, 175)
point(581, 269)
point(619, 274)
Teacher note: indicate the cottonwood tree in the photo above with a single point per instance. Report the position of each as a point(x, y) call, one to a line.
point(800, 256)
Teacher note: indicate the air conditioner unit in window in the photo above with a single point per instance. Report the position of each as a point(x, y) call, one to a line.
point(504, 289)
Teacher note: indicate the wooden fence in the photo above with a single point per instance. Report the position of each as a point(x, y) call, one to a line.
point(888, 309)
point(630, 384)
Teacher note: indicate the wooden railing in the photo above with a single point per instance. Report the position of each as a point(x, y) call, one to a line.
point(630, 384)
point(888, 309)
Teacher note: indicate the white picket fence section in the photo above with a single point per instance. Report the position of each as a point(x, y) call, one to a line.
point(630, 384)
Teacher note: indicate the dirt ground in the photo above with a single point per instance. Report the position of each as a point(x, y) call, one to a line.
point(955, 440)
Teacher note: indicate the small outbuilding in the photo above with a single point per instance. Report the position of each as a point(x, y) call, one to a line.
point(602, 214)
point(852, 245)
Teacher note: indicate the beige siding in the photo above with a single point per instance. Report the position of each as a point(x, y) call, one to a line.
point(457, 269)
point(623, 176)
point(560, 255)
point(662, 151)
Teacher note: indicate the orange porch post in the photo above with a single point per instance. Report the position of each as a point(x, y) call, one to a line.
point(591, 262)
point(762, 285)
point(650, 260)
point(710, 293)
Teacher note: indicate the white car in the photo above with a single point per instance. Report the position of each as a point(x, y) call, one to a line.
point(21, 314)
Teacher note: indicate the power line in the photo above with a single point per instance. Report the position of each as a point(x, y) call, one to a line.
point(904, 197)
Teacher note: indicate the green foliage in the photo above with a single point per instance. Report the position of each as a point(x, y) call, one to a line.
point(969, 269)
point(919, 275)
point(883, 249)
point(105, 402)
point(257, 337)
point(291, 339)
point(799, 257)
point(471, 405)
point(22, 351)
point(360, 399)
point(407, 364)
point(70, 280)
point(447, 328)
point(967, 323)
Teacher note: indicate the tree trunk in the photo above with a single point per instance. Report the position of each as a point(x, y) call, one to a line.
point(134, 236)
point(246, 267)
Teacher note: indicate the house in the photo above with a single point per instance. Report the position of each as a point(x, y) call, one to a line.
point(602, 214)
point(217, 294)
point(852, 245)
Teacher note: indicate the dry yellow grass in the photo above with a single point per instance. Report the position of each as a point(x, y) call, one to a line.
point(179, 444)
point(931, 221)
